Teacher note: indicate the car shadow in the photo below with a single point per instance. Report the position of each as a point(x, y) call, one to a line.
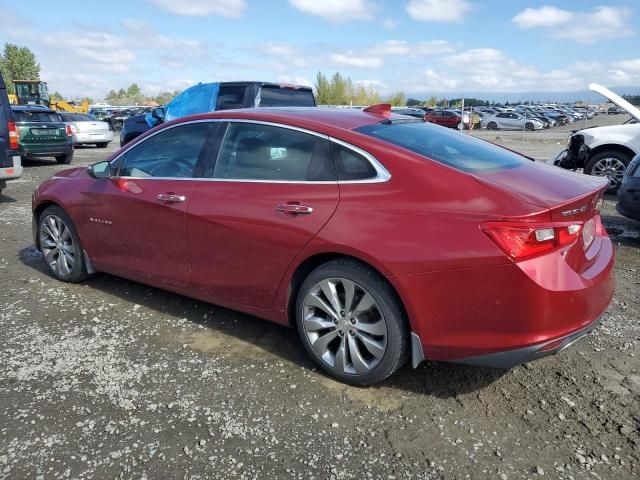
point(38, 162)
point(258, 339)
point(6, 199)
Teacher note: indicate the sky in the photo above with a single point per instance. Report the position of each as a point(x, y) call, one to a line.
point(420, 47)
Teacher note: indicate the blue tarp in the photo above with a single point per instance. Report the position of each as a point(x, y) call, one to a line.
point(200, 98)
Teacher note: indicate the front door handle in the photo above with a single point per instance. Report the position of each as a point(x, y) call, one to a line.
point(170, 198)
point(294, 209)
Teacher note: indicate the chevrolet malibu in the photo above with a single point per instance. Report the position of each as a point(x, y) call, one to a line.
point(380, 238)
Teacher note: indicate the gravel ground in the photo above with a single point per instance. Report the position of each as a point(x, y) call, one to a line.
point(114, 379)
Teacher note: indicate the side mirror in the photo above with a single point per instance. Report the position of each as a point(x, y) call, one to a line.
point(99, 170)
point(158, 114)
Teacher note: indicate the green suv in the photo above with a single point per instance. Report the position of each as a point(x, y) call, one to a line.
point(43, 133)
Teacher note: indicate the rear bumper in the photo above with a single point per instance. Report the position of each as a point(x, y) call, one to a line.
point(511, 358)
point(104, 137)
point(502, 315)
point(12, 172)
point(32, 151)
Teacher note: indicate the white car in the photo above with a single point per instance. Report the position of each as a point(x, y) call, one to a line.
point(604, 151)
point(87, 130)
point(511, 121)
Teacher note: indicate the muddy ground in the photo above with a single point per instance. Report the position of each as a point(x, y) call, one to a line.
point(114, 379)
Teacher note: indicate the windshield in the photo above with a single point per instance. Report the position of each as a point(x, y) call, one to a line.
point(455, 149)
point(274, 96)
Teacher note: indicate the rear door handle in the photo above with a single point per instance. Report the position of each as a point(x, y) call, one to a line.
point(170, 198)
point(294, 209)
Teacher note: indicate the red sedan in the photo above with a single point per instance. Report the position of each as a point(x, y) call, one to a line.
point(379, 238)
point(445, 118)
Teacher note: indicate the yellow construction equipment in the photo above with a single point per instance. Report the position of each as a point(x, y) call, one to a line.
point(34, 92)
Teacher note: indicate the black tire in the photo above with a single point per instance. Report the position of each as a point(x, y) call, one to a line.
point(79, 270)
point(612, 154)
point(528, 126)
point(102, 145)
point(397, 330)
point(65, 159)
point(492, 126)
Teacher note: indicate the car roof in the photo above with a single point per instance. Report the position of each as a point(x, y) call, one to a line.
point(303, 117)
point(31, 108)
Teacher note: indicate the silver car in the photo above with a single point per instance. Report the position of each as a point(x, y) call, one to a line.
point(511, 121)
point(87, 130)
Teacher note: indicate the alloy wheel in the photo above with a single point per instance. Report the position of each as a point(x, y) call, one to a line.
point(611, 168)
point(57, 245)
point(344, 325)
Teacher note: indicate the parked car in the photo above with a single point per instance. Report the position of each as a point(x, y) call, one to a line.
point(511, 121)
point(43, 133)
point(629, 191)
point(361, 228)
point(446, 118)
point(10, 164)
point(603, 151)
point(409, 111)
point(209, 97)
point(614, 111)
point(88, 130)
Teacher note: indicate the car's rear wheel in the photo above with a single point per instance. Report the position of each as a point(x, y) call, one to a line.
point(528, 126)
point(351, 322)
point(60, 245)
point(492, 126)
point(610, 165)
point(64, 159)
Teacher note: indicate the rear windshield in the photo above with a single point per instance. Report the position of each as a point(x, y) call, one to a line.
point(22, 116)
point(77, 117)
point(274, 96)
point(455, 149)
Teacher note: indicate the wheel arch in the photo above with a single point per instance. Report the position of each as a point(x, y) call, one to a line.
point(306, 266)
point(609, 147)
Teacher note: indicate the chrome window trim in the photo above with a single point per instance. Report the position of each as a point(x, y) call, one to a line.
point(382, 174)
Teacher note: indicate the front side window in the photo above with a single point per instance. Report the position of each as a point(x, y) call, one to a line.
point(265, 152)
point(172, 153)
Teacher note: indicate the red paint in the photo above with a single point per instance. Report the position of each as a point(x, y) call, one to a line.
point(230, 245)
point(451, 121)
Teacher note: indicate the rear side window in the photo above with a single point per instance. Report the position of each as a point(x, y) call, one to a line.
point(232, 96)
point(26, 116)
point(451, 148)
point(350, 165)
point(275, 96)
point(265, 152)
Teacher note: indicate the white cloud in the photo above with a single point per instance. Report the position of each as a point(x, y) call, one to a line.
point(603, 23)
point(202, 8)
point(277, 49)
point(629, 65)
point(418, 49)
point(355, 60)
point(390, 24)
point(547, 16)
point(438, 10)
point(336, 11)
point(295, 80)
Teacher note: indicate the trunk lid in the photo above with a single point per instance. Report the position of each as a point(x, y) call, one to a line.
point(91, 127)
point(41, 132)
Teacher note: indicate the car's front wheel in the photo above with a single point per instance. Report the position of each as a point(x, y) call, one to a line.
point(60, 245)
point(492, 126)
point(351, 322)
point(610, 165)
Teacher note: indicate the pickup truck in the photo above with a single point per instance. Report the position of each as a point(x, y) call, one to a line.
point(209, 97)
point(10, 165)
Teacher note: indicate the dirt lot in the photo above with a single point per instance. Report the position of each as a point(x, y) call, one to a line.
point(113, 379)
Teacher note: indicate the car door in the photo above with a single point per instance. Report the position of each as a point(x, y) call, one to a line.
point(135, 221)
point(270, 191)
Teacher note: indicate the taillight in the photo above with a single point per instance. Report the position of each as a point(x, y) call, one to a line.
point(69, 131)
point(525, 240)
point(14, 136)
